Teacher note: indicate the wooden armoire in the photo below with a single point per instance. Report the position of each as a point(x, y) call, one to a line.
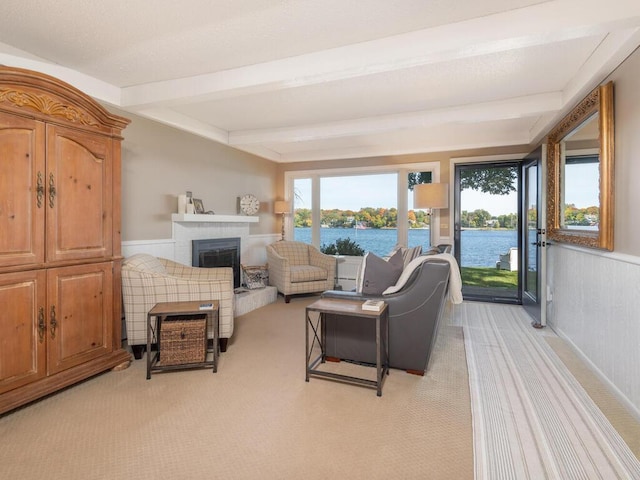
point(60, 245)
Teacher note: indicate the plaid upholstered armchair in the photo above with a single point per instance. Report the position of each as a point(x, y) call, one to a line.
point(297, 267)
point(147, 280)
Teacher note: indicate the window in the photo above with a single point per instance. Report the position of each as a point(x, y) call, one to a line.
point(362, 208)
point(418, 220)
point(371, 206)
point(302, 208)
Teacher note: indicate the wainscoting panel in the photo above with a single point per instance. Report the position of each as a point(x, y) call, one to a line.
point(253, 249)
point(595, 306)
point(157, 248)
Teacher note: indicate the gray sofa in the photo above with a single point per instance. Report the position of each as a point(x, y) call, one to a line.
point(414, 314)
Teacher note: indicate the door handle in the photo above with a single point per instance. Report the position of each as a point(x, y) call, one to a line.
point(52, 190)
point(41, 325)
point(53, 322)
point(39, 190)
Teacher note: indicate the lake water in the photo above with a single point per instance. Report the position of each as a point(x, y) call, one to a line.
point(480, 248)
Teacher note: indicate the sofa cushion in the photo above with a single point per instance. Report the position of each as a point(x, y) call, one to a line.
point(406, 273)
point(409, 254)
point(377, 274)
point(307, 273)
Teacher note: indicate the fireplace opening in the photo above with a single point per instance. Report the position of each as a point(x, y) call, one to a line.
point(217, 252)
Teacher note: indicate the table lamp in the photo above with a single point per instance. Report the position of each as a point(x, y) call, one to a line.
point(282, 207)
point(430, 196)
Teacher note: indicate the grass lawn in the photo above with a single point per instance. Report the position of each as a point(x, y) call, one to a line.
point(488, 277)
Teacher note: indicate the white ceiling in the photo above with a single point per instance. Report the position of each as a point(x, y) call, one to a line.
point(300, 80)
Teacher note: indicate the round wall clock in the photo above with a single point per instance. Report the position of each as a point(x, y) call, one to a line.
point(249, 204)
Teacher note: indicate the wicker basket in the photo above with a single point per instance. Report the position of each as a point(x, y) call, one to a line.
point(183, 340)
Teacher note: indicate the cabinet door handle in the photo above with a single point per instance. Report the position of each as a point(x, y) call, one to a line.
point(42, 327)
point(52, 190)
point(39, 190)
point(53, 322)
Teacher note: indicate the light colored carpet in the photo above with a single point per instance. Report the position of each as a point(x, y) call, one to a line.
point(532, 419)
point(255, 418)
point(626, 424)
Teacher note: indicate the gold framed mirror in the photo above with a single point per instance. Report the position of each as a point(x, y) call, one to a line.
point(580, 207)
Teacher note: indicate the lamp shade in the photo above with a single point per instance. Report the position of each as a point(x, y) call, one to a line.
point(282, 206)
point(431, 195)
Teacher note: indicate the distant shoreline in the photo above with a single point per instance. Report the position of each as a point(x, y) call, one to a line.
point(488, 229)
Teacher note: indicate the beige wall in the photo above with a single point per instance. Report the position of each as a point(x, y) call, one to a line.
point(595, 299)
point(627, 155)
point(160, 162)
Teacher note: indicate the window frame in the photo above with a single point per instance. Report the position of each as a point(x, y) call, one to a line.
point(402, 188)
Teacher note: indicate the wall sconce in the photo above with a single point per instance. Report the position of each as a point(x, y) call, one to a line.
point(282, 207)
point(431, 196)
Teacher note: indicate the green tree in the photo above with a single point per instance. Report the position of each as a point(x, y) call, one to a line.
point(496, 181)
point(416, 178)
point(342, 246)
point(509, 220)
point(302, 217)
point(477, 218)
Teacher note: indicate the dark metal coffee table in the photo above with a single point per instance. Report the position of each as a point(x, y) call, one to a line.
point(346, 308)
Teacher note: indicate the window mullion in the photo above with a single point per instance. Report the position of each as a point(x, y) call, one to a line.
point(315, 210)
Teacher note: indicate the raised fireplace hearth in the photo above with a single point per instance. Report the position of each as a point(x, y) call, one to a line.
point(218, 252)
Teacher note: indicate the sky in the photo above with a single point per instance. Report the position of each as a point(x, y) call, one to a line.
point(582, 185)
point(353, 193)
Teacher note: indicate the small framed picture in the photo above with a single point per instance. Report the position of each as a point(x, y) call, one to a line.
point(198, 206)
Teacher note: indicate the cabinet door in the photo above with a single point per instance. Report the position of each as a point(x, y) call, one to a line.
point(79, 314)
point(79, 182)
point(22, 328)
point(22, 202)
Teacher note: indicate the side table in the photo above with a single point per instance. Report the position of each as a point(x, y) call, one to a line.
point(166, 310)
point(347, 308)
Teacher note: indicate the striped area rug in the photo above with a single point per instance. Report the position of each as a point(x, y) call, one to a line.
point(531, 418)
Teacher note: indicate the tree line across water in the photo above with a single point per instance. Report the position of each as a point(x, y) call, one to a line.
point(370, 217)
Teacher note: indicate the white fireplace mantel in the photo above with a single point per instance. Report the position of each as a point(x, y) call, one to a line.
point(188, 227)
point(204, 218)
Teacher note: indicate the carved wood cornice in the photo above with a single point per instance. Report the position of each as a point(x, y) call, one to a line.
point(47, 106)
point(42, 96)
